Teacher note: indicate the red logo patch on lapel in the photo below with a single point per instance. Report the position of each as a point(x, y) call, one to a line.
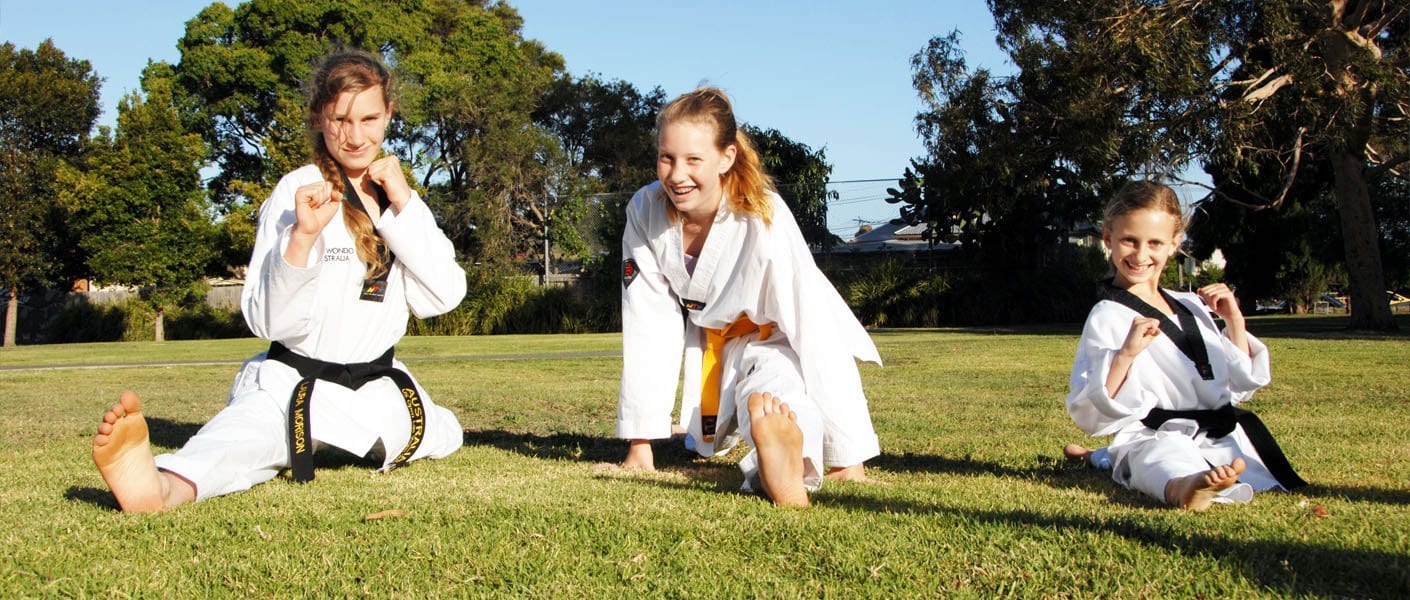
point(629, 271)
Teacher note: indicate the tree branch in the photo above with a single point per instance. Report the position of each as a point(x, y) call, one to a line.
point(1388, 164)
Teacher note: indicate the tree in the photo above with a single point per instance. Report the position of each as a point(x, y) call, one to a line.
point(607, 132)
point(468, 81)
point(801, 175)
point(1254, 89)
point(48, 104)
point(138, 202)
point(1013, 163)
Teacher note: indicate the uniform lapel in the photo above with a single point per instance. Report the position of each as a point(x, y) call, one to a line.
point(721, 238)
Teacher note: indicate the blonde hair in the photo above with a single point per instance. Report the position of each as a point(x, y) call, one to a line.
point(745, 183)
point(347, 70)
point(1144, 195)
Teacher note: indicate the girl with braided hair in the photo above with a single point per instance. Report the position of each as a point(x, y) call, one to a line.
point(344, 253)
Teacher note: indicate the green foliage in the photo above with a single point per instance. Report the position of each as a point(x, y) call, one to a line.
point(467, 83)
point(1278, 99)
point(801, 175)
point(1013, 164)
point(134, 320)
point(499, 304)
point(48, 104)
point(1393, 220)
point(893, 294)
point(138, 203)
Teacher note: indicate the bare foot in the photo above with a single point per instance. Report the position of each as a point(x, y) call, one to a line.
point(779, 442)
point(639, 456)
point(855, 473)
point(124, 457)
point(1195, 492)
point(1076, 453)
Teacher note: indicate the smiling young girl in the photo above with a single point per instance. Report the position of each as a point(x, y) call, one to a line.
point(1154, 370)
point(345, 251)
point(768, 345)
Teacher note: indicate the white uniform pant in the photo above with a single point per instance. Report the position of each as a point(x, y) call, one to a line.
point(247, 442)
point(754, 366)
point(1149, 464)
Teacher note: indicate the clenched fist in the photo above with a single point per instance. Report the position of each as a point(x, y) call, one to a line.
point(386, 172)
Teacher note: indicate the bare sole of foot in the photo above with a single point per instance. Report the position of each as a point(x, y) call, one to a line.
point(779, 442)
point(1196, 492)
point(1076, 452)
point(123, 453)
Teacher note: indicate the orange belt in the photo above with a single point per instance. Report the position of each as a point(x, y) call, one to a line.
point(715, 340)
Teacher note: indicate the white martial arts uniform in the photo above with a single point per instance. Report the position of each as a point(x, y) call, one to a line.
point(1163, 377)
point(316, 312)
point(745, 269)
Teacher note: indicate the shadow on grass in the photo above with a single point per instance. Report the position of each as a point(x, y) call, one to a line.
point(1059, 473)
point(1285, 567)
point(1357, 494)
point(166, 433)
point(578, 447)
point(1052, 471)
point(670, 454)
point(1322, 327)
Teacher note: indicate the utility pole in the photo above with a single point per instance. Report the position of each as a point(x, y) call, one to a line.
point(543, 281)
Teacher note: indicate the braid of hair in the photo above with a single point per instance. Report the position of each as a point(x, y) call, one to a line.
point(348, 70)
point(368, 244)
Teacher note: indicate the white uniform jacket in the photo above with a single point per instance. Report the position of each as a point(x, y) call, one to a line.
point(1162, 376)
point(316, 311)
point(746, 268)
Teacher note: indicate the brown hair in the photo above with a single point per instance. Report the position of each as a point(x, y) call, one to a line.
point(1144, 195)
point(347, 70)
point(746, 183)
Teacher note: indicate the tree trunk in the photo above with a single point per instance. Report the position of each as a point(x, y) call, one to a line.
point(159, 330)
point(1360, 239)
point(12, 312)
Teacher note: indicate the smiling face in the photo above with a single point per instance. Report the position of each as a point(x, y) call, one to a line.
point(1141, 241)
point(353, 126)
point(690, 168)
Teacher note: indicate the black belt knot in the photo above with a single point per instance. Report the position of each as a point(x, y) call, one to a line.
point(352, 376)
point(1220, 422)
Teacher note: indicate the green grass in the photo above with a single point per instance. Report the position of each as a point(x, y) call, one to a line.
point(978, 502)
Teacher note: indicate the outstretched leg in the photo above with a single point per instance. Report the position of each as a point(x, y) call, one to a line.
point(123, 453)
point(1195, 492)
point(779, 442)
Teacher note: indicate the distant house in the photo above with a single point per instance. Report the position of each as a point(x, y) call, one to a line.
point(892, 237)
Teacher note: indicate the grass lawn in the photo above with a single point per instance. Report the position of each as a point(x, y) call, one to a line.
point(978, 501)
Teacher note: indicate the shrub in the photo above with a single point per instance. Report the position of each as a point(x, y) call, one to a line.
point(896, 294)
point(132, 320)
point(511, 304)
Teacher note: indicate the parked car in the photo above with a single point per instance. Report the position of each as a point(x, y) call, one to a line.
point(1269, 307)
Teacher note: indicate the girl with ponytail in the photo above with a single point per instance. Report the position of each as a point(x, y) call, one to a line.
point(768, 348)
point(345, 252)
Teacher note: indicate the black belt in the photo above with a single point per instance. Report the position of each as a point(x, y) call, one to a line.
point(1220, 422)
point(353, 376)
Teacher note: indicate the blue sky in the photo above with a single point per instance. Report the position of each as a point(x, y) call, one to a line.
point(830, 74)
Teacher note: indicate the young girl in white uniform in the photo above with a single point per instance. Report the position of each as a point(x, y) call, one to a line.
point(1155, 371)
point(345, 251)
point(716, 274)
